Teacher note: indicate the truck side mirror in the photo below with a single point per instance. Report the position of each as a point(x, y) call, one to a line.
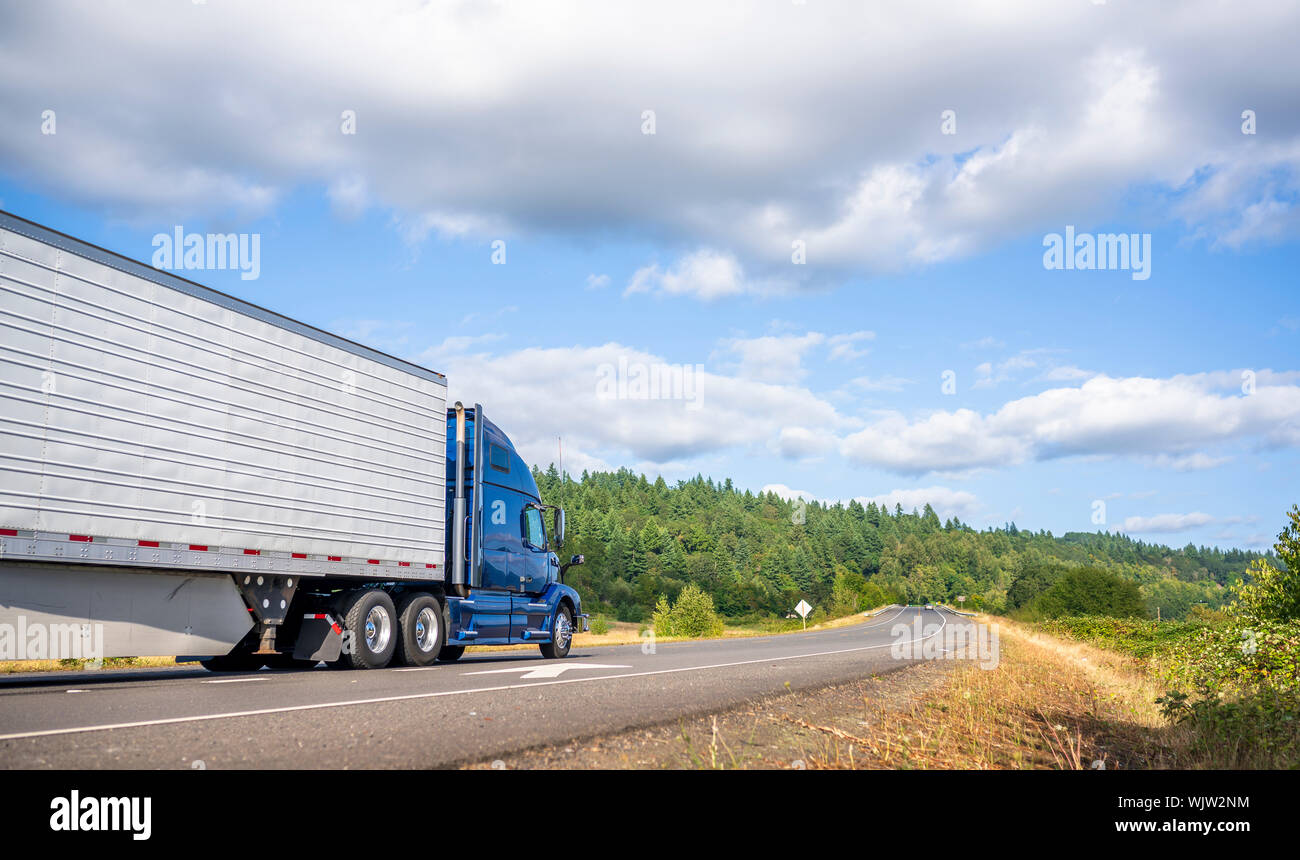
point(573, 562)
point(558, 531)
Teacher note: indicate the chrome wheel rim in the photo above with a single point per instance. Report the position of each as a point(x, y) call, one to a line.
point(378, 629)
point(426, 629)
point(563, 630)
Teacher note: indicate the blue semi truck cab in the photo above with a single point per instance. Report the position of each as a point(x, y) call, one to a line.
point(506, 580)
point(502, 583)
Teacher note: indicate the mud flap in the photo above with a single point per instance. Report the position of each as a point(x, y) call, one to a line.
point(320, 638)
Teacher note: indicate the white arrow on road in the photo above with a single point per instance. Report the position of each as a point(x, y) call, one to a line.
point(550, 670)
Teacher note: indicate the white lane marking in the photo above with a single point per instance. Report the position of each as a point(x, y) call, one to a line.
point(413, 696)
point(880, 622)
point(237, 680)
point(549, 670)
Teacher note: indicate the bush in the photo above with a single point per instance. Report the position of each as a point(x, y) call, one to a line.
point(1086, 591)
point(691, 616)
point(600, 625)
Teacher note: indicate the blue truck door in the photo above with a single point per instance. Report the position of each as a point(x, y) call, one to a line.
point(536, 555)
point(503, 562)
point(531, 609)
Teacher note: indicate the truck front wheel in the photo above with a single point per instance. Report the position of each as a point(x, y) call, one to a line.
point(370, 619)
point(561, 634)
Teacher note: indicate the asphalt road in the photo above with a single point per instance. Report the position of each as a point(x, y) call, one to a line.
point(471, 710)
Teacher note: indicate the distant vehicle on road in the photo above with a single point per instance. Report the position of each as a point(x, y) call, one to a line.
point(929, 606)
point(185, 473)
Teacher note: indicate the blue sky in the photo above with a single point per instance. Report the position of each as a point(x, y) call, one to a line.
point(924, 250)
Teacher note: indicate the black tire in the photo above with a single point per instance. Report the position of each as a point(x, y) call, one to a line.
point(234, 663)
point(417, 644)
point(561, 622)
point(362, 609)
point(451, 653)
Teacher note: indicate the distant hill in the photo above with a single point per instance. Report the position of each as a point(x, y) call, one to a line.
point(758, 554)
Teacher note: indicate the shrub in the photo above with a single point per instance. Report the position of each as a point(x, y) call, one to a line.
point(600, 625)
point(1087, 591)
point(692, 615)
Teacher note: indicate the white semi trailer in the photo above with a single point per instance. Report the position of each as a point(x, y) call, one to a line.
point(185, 473)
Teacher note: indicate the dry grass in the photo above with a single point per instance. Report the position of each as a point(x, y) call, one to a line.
point(1048, 704)
point(9, 667)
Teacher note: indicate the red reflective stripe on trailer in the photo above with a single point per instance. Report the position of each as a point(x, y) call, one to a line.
point(334, 557)
point(9, 532)
point(431, 565)
point(82, 538)
point(336, 628)
point(300, 555)
point(147, 543)
point(198, 548)
point(403, 564)
point(252, 552)
point(372, 561)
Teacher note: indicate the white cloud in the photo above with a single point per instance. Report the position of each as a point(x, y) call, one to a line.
point(946, 501)
point(1061, 111)
point(842, 345)
point(787, 493)
point(705, 274)
point(773, 357)
point(722, 413)
point(1104, 416)
point(1166, 523)
point(597, 282)
point(1194, 462)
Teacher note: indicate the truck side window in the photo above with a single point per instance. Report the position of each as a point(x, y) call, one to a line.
point(534, 531)
point(500, 458)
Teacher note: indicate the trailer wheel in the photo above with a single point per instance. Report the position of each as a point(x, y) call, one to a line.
point(451, 653)
point(234, 663)
point(422, 629)
point(371, 619)
point(561, 634)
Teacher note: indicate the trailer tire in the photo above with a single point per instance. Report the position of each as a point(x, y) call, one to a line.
point(421, 629)
point(451, 653)
point(371, 618)
point(561, 634)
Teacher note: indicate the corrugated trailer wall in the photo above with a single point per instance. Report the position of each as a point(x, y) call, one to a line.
point(141, 406)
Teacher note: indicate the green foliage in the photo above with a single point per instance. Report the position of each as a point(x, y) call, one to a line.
point(1086, 591)
point(1272, 593)
point(643, 539)
point(1136, 637)
point(600, 625)
point(1032, 581)
point(692, 615)
point(1232, 676)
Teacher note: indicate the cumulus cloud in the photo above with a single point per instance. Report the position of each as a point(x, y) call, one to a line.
point(477, 119)
point(946, 501)
point(711, 414)
point(1166, 523)
point(1168, 418)
point(777, 356)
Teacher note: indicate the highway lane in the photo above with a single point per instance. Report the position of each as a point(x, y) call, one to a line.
point(471, 710)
